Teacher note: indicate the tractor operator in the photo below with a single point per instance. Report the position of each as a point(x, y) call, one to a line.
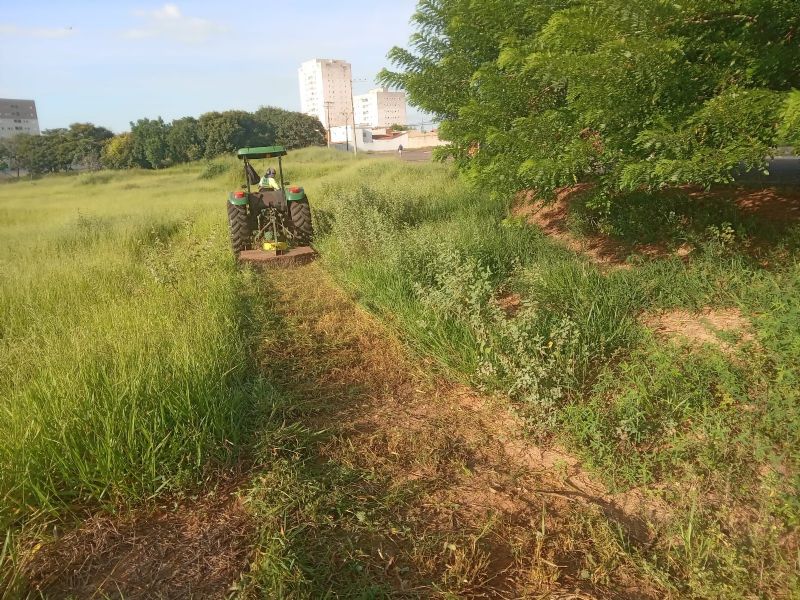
point(268, 180)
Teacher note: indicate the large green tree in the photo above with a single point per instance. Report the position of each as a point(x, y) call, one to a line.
point(150, 148)
point(184, 140)
point(292, 129)
point(118, 152)
point(225, 132)
point(32, 153)
point(9, 153)
point(633, 94)
point(55, 150)
point(86, 141)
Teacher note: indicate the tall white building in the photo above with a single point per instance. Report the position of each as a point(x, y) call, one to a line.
point(326, 91)
point(380, 108)
point(18, 116)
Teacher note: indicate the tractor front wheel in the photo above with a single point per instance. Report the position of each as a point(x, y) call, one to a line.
point(301, 221)
point(241, 232)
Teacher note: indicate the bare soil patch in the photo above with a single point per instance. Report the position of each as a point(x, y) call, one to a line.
point(552, 218)
point(195, 549)
point(510, 304)
point(777, 206)
point(708, 326)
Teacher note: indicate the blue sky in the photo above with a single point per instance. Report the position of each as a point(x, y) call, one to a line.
point(113, 62)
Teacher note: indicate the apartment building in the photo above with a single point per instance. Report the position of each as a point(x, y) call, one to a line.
point(380, 108)
point(326, 91)
point(18, 116)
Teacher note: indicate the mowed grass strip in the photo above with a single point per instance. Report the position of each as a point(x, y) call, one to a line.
point(401, 484)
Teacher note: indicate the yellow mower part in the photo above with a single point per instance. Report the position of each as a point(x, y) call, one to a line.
point(275, 246)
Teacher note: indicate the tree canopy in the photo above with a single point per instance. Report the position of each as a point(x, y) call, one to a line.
point(57, 149)
point(155, 143)
point(292, 129)
point(632, 94)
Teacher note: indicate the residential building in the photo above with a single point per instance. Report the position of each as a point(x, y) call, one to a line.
point(384, 139)
point(343, 134)
point(18, 116)
point(326, 91)
point(380, 108)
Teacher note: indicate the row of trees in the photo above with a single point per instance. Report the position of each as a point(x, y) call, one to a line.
point(633, 95)
point(154, 143)
point(81, 145)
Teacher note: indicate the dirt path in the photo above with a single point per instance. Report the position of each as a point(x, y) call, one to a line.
point(416, 488)
point(489, 513)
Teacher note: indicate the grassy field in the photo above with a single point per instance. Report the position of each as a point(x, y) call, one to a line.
point(128, 344)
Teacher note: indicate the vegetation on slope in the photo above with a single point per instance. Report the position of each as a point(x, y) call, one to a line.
point(713, 428)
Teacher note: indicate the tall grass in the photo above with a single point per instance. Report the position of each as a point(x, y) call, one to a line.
point(126, 334)
point(125, 339)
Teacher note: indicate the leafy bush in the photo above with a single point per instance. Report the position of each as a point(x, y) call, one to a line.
point(531, 357)
point(214, 168)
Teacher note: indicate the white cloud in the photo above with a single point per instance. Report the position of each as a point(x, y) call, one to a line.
point(169, 21)
point(7, 30)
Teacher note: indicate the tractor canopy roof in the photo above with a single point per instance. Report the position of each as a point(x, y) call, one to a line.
point(261, 152)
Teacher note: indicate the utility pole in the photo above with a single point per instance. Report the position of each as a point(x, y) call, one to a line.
point(346, 134)
point(353, 111)
point(328, 105)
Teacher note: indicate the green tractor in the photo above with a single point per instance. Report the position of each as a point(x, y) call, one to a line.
point(276, 216)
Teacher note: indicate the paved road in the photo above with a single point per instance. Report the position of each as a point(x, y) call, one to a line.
point(421, 155)
point(783, 170)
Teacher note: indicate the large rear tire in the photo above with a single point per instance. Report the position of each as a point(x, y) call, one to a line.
point(241, 232)
point(301, 221)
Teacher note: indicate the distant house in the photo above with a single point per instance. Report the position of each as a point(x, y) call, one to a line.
point(18, 116)
point(384, 139)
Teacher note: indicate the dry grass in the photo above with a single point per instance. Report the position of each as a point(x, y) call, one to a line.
point(194, 548)
point(708, 326)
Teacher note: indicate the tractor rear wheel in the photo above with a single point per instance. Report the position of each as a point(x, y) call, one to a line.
point(301, 221)
point(241, 232)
